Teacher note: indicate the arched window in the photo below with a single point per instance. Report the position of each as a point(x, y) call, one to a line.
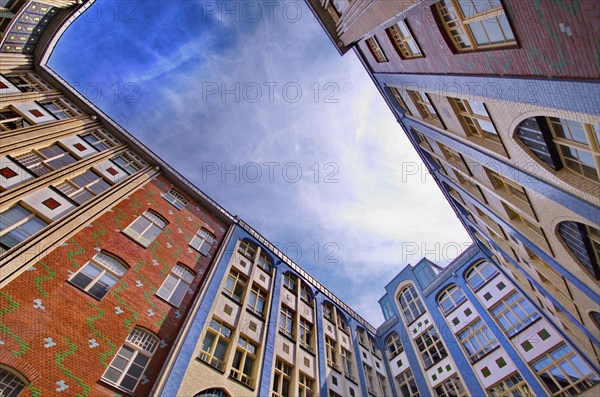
point(563, 143)
point(176, 284)
point(393, 345)
point(584, 243)
point(202, 241)
point(128, 366)
point(480, 274)
point(265, 262)
point(175, 198)
point(411, 304)
point(12, 383)
point(248, 249)
point(475, 24)
point(99, 275)
point(213, 393)
point(146, 228)
point(451, 298)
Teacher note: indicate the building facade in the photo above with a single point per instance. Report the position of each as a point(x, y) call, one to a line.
point(118, 276)
point(501, 100)
point(469, 330)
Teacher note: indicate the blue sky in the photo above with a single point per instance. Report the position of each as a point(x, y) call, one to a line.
point(253, 104)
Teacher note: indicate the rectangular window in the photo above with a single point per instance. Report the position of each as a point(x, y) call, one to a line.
point(425, 107)
point(474, 118)
point(331, 352)
point(399, 99)
point(235, 285)
point(475, 24)
point(407, 385)
point(347, 364)
point(29, 83)
point(17, 224)
point(514, 313)
point(61, 108)
point(215, 344)
point(84, 187)
point(100, 139)
point(282, 379)
point(477, 340)
point(376, 50)
point(242, 367)
point(564, 373)
point(306, 334)
point(513, 385)
point(11, 120)
point(43, 161)
point(305, 385)
point(403, 41)
point(453, 387)
point(369, 379)
point(430, 347)
point(286, 321)
point(513, 189)
point(129, 162)
point(257, 300)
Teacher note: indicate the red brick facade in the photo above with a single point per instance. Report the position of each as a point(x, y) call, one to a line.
point(64, 334)
point(541, 28)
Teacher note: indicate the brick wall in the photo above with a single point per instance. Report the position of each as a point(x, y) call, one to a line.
point(67, 336)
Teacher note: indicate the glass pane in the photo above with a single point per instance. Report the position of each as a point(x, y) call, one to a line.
point(12, 216)
point(128, 383)
point(493, 30)
point(478, 33)
point(112, 374)
point(508, 34)
point(179, 293)
point(221, 350)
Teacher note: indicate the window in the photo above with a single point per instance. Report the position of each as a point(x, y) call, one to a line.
point(202, 241)
point(342, 324)
point(403, 41)
point(127, 367)
point(369, 378)
point(61, 108)
point(453, 387)
point(212, 393)
point(347, 363)
point(393, 344)
point(513, 189)
point(328, 311)
point(513, 385)
point(146, 228)
point(129, 162)
point(175, 198)
point(286, 321)
point(100, 139)
point(382, 384)
point(28, 83)
point(289, 281)
point(425, 107)
point(481, 274)
point(477, 340)
point(306, 334)
point(521, 220)
point(474, 118)
point(376, 50)
point(451, 298)
point(398, 96)
point(578, 146)
point(256, 300)
point(84, 187)
point(10, 120)
point(306, 294)
point(595, 316)
point(282, 378)
point(99, 275)
point(235, 285)
point(475, 24)
point(564, 373)
point(411, 304)
point(248, 249)
point(514, 313)
point(242, 367)
point(362, 338)
point(17, 224)
point(176, 285)
point(215, 344)
point(407, 385)
point(584, 243)
point(431, 347)
point(11, 382)
point(265, 262)
point(331, 352)
point(340, 6)
point(306, 385)
point(43, 161)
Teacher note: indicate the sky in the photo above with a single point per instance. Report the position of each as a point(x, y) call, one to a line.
point(253, 104)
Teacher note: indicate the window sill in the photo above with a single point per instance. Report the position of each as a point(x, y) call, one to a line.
point(116, 388)
point(210, 365)
point(483, 355)
point(307, 349)
point(239, 382)
point(261, 317)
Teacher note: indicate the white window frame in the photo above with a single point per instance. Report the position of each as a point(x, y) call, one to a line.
point(202, 241)
point(176, 285)
point(156, 222)
point(9, 227)
point(100, 268)
point(175, 198)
